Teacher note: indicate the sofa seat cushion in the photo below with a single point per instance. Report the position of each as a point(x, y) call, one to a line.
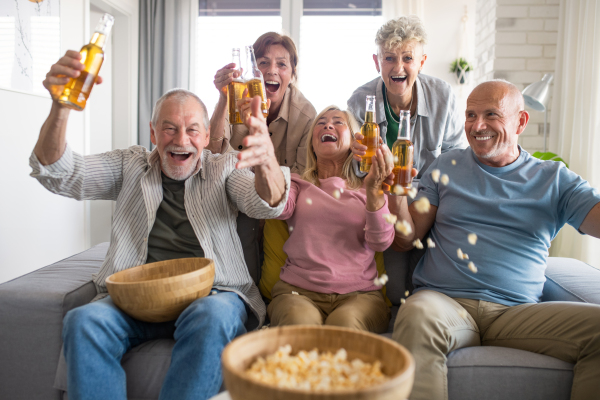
point(505, 373)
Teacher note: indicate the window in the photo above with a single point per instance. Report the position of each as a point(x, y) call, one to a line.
point(335, 43)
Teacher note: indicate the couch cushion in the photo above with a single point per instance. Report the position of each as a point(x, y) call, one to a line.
point(504, 373)
point(571, 280)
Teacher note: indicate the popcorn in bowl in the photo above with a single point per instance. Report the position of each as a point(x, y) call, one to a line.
point(314, 371)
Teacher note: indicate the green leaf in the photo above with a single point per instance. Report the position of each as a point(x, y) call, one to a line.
point(549, 156)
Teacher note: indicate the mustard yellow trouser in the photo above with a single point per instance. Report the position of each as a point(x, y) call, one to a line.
point(366, 311)
point(431, 326)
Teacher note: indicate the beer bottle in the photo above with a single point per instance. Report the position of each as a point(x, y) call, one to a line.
point(235, 90)
point(402, 151)
point(255, 81)
point(75, 93)
point(370, 132)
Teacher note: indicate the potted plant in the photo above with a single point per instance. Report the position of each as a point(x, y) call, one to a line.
point(549, 156)
point(461, 68)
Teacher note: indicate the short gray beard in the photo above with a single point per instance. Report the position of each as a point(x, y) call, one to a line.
point(178, 173)
point(500, 149)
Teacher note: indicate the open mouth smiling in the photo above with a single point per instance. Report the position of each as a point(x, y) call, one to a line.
point(398, 78)
point(272, 86)
point(328, 138)
point(179, 155)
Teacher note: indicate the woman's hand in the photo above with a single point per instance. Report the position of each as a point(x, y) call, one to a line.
point(224, 77)
point(380, 172)
point(67, 67)
point(359, 150)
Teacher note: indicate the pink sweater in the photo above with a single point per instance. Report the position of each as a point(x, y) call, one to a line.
point(333, 241)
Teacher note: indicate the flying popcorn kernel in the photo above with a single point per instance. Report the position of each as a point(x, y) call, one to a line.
point(472, 267)
point(402, 301)
point(380, 281)
point(291, 229)
point(445, 179)
point(403, 227)
point(308, 201)
point(435, 175)
point(422, 205)
point(213, 292)
point(453, 162)
point(294, 292)
point(390, 218)
point(465, 256)
point(418, 244)
point(341, 190)
point(463, 313)
point(398, 190)
point(472, 238)
point(336, 194)
point(406, 293)
point(430, 243)
point(459, 253)
point(412, 193)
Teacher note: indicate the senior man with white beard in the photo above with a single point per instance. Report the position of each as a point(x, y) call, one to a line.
point(176, 201)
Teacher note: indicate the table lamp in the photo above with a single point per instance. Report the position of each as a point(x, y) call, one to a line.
point(536, 97)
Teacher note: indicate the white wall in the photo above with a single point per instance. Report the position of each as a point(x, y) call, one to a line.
point(37, 227)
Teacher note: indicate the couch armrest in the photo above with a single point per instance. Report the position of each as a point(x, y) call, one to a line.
point(32, 308)
point(568, 279)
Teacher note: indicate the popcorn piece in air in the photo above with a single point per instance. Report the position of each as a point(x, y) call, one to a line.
point(435, 175)
point(465, 256)
point(341, 190)
point(412, 193)
point(308, 201)
point(291, 229)
point(472, 238)
point(294, 292)
point(402, 301)
point(390, 218)
point(472, 267)
point(403, 227)
point(463, 313)
point(398, 190)
point(422, 205)
point(453, 162)
point(445, 179)
point(430, 243)
point(380, 281)
point(406, 293)
point(459, 253)
point(336, 194)
point(418, 244)
point(213, 292)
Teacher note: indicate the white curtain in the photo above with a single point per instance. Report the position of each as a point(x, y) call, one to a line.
point(575, 120)
point(397, 8)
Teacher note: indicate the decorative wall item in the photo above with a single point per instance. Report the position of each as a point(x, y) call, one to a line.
point(460, 66)
point(29, 43)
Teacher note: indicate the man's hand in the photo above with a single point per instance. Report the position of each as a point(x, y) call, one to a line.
point(60, 74)
point(259, 150)
point(245, 102)
point(269, 180)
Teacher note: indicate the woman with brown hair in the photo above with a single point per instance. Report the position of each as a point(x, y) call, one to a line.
point(290, 113)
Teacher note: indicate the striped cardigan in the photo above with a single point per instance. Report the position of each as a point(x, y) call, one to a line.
point(132, 177)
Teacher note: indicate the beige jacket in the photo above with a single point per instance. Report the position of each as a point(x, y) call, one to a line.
point(288, 131)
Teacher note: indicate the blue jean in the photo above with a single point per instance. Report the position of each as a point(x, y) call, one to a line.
point(97, 335)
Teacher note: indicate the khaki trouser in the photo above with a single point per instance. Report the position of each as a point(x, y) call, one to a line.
point(366, 311)
point(430, 325)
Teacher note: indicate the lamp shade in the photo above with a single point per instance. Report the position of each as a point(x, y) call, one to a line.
point(536, 94)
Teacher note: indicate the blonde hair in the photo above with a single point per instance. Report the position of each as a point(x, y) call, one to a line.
point(400, 30)
point(311, 173)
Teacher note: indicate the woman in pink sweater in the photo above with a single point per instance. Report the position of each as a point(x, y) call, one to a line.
point(336, 225)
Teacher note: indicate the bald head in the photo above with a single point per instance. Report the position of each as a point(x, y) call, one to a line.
point(501, 92)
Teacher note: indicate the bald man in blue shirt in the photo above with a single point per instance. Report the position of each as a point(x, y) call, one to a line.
point(515, 205)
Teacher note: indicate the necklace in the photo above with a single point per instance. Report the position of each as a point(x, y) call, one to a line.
point(387, 104)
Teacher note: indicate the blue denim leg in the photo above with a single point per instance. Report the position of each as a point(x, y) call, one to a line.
point(202, 331)
point(95, 338)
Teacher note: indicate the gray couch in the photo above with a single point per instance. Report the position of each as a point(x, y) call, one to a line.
point(32, 308)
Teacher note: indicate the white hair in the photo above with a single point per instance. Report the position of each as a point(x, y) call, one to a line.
point(179, 95)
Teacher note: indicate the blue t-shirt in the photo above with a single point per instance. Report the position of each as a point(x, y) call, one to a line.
point(515, 211)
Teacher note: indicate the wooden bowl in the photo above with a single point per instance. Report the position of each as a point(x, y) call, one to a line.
point(160, 291)
point(396, 362)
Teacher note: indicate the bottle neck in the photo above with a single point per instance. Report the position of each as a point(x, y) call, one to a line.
point(404, 129)
point(370, 116)
point(98, 39)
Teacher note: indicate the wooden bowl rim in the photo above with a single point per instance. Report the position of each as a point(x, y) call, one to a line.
point(393, 381)
point(166, 280)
